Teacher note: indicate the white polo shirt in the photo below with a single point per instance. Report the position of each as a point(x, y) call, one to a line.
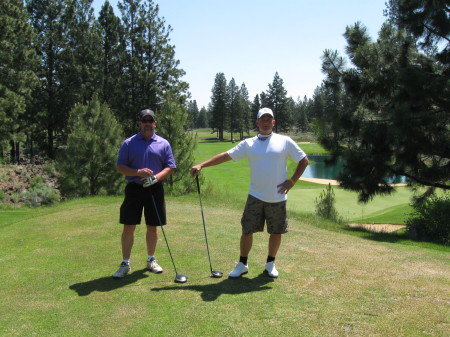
point(268, 163)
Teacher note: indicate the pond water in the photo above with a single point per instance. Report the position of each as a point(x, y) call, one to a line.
point(318, 169)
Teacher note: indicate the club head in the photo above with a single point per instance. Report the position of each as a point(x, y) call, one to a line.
point(180, 278)
point(216, 273)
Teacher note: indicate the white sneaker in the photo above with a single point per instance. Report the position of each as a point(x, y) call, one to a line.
point(154, 267)
point(122, 271)
point(271, 270)
point(239, 270)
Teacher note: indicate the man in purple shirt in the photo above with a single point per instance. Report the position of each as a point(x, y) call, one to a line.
point(145, 159)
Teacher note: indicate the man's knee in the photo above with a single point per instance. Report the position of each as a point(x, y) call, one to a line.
point(129, 229)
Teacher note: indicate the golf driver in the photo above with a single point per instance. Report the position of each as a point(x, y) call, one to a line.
point(214, 273)
point(178, 277)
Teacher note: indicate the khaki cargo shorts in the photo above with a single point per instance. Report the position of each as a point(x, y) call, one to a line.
point(257, 212)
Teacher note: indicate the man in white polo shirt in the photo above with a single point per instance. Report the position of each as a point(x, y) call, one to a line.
point(267, 153)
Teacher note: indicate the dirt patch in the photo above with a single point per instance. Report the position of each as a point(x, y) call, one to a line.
point(377, 227)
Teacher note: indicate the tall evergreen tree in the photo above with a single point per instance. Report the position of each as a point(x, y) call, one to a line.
point(264, 100)
point(392, 114)
point(94, 138)
point(50, 20)
point(276, 100)
point(302, 113)
point(290, 108)
point(318, 104)
point(113, 53)
point(256, 104)
point(172, 125)
point(244, 119)
point(428, 21)
point(18, 65)
point(203, 121)
point(232, 111)
point(81, 72)
point(193, 114)
point(219, 104)
point(151, 68)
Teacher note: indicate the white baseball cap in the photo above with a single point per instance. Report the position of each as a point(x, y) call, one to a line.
point(264, 111)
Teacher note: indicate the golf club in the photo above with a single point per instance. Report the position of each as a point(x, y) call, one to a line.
point(214, 273)
point(178, 277)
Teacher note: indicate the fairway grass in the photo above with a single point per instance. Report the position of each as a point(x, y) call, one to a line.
point(57, 264)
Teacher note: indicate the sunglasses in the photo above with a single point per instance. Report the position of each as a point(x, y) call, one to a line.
point(147, 121)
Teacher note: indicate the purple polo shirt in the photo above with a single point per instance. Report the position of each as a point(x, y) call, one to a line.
point(138, 152)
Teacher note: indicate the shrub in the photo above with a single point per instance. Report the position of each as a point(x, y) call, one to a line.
point(50, 169)
point(430, 219)
point(40, 193)
point(325, 205)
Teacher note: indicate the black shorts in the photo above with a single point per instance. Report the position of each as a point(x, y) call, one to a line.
point(138, 198)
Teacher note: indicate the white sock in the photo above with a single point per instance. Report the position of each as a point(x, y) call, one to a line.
point(150, 257)
point(126, 261)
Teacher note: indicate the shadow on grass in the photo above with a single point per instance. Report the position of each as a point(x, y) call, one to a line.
point(400, 237)
point(107, 283)
point(381, 237)
point(211, 292)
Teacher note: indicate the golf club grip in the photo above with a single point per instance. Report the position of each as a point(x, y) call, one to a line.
point(198, 184)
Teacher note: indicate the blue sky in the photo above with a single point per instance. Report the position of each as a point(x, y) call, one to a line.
point(251, 40)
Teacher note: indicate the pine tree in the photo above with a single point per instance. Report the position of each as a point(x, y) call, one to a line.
point(244, 118)
point(193, 114)
point(113, 52)
point(94, 139)
point(202, 121)
point(81, 71)
point(302, 113)
point(427, 21)
point(172, 122)
point(49, 19)
point(18, 63)
point(264, 100)
point(388, 115)
point(219, 104)
point(151, 68)
point(232, 107)
point(325, 204)
point(276, 100)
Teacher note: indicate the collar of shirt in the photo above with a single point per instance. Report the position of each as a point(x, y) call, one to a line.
point(152, 138)
point(264, 137)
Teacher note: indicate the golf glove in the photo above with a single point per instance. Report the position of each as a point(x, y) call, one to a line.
point(149, 181)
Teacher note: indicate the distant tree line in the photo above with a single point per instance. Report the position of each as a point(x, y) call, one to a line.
point(231, 110)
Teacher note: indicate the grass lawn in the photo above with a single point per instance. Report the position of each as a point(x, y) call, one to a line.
point(57, 264)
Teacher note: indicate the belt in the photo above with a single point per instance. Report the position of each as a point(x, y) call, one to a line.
point(141, 185)
point(135, 183)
